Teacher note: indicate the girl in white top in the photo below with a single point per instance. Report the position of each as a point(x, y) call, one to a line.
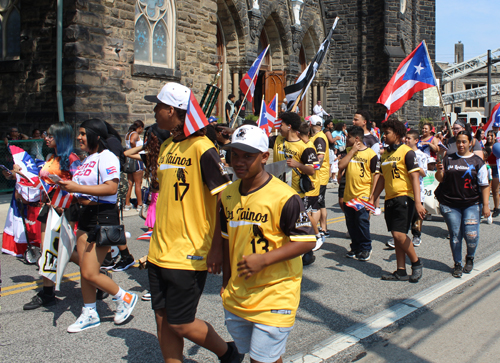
point(95, 185)
point(132, 140)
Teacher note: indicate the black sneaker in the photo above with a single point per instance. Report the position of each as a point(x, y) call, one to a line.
point(351, 254)
point(364, 255)
point(416, 272)
point(308, 258)
point(469, 264)
point(326, 233)
point(395, 277)
point(234, 356)
point(457, 270)
point(39, 300)
point(100, 294)
point(124, 263)
point(496, 212)
point(108, 264)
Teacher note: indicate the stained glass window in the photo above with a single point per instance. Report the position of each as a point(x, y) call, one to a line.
point(155, 32)
point(10, 30)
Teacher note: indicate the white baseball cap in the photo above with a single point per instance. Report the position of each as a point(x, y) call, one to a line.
point(249, 138)
point(172, 94)
point(315, 120)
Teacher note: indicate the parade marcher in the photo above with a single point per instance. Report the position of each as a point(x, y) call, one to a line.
point(133, 139)
point(263, 271)
point(284, 105)
point(230, 109)
point(288, 146)
point(241, 105)
point(399, 176)
point(360, 165)
point(95, 186)
point(319, 111)
point(182, 250)
point(457, 127)
point(480, 137)
point(428, 143)
point(375, 130)
point(223, 139)
point(492, 162)
point(463, 195)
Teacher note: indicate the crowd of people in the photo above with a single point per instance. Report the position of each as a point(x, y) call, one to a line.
point(257, 230)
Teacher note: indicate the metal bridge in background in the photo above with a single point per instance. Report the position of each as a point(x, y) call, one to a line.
point(472, 65)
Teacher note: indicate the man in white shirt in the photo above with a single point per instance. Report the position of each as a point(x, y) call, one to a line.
point(319, 111)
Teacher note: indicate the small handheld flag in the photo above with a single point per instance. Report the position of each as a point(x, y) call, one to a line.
point(61, 199)
point(29, 168)
point(358, 204)
point(145, 236)
point(195, 118)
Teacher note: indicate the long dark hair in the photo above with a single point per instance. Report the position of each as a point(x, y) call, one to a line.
point(97, 133)
point(63, 136)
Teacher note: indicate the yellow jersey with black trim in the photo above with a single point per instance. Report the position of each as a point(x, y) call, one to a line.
point(396, 166)
point(190, 175)
point(298, 151)
point(259, 222)
point(359, 174)
point(320, 142)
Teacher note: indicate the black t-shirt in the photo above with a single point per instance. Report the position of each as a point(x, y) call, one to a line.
point(228, 110)
point(463, 177)
point(243, 108)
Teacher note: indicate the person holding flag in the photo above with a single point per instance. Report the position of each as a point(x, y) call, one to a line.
point(182, 250)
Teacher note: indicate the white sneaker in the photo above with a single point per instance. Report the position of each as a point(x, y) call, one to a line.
point(319, 243)
point(378, 211)
point(490, 219)
point(89, 318)
point(417, 241)
point(124, 309)
point(390, 243)
point(127, 207)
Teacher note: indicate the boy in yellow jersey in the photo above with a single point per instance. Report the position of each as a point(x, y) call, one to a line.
point(267, 229)
point(320, 142)
point(360, 165)
point(288, 146)
point(191, 177)
point(399, 175)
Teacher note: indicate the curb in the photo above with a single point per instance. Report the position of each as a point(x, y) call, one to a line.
point(354, 334)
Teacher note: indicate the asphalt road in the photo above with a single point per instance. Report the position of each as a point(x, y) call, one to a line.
point(336, 293)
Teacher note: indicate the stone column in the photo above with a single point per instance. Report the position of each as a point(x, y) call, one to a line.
point(236, 84)
point(315, 94)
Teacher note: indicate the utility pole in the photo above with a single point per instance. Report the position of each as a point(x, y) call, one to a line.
point(489, 75)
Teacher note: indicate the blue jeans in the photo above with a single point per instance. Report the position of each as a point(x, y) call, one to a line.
point(358, 225)
point(462, 223)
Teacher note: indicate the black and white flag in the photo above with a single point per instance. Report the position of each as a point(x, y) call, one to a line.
point(304, 81)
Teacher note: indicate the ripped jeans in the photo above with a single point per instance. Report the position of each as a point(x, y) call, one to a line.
point(462, 223)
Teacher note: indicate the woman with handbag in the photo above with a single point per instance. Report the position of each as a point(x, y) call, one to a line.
point(95, 186)
point(136, 172)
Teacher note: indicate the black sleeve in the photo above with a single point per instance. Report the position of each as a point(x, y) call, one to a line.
point(294, 219)
point(320, 145)
point(272, 140)
point(309, 157)
point(212, 169)
point(411, 161)
point(374, 164)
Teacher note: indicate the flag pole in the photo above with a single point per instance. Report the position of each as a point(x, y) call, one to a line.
point(246, 93)
point(294, 107)
point(447, 120)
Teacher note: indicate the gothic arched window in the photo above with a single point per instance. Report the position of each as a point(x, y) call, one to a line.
point(10, 30)
point(155, 33)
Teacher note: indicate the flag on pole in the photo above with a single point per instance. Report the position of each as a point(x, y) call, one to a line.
point(61, 198)
point(300, 87)
point(249, 80)
point(263, 122)
point(28, 167)
point(494, 118)
point(195, 118)
point(413, 75)
point(272, 112)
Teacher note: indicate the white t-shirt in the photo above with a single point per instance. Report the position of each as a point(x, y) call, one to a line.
point(319, 111)
point(109, 169)
point(422, 160)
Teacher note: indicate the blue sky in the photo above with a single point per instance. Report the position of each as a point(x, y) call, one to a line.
point(474, 22)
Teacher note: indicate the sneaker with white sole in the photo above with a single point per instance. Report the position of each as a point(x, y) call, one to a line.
point(127, 207)
point(124, 263)
point(490, 219)
point(378, 211)
point(146, 296)
point(364, 255)
point(124, 308)
point(89, 318)
point(390, 243)
point(319, 243)
point(417, 241)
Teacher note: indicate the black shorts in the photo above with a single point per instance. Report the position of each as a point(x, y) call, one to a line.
point(176, 291)
point(341, 187)
point(72, 213)
point(310, 204)
point(322, 196)
point(107, 216)
point(399, 213)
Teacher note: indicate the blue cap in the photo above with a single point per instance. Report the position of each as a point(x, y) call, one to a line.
point(212, 119)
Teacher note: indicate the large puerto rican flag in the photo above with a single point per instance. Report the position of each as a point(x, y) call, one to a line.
point(195, 118)
point(494, 118)
point(249, 80)
point(413, 75)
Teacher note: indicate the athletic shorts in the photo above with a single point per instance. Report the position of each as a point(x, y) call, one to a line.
point(311, 204)
point(176, 291)
point(107, 216)
point(322, 196)
point(265, 343)
point(72, 213)
point(341, 187)
point(494, 171)
point(399, 214)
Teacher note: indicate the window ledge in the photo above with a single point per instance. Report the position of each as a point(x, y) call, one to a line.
point(143, 70)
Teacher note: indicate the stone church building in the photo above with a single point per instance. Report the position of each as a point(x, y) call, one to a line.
point(116, 51)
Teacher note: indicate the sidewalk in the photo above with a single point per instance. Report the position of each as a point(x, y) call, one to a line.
point(462, 328)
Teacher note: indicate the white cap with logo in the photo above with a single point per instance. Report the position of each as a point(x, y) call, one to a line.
point(315, 120)
point(249, 138)
point(172, 94)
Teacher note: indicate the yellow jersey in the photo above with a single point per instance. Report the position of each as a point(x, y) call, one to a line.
point(320, 142)
point(315, 177)
point(396, 166)
point(190, 175)
point(258, 223)
point(359, 174)
point(297, 150)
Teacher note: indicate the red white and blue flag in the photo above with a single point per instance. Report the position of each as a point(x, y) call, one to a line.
point(145, 236)
point(413, 75)
point(249, 80)
point(359, 204)
point(29, 168)
point(272, 111)
point(494, 118)
point(195, 118)
point(61, 198)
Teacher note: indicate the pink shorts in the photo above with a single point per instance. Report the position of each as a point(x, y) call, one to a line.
point(151, 218)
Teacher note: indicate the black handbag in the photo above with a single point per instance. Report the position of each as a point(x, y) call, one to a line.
point(130, 166)
point(109, 235)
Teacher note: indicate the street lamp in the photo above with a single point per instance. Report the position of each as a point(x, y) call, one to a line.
point(297, 10)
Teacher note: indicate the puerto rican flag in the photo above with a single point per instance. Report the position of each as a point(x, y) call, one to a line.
point(62, 199)
point(272, 111)
point(145, 236)
point(249, 80)
point(494, 117)
point(359, 204)
point(413, 75)
point(264, 122)
point(28, 167)
point(195, 118)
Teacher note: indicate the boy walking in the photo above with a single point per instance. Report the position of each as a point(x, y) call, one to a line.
point(360, 165)
point(265, 237)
